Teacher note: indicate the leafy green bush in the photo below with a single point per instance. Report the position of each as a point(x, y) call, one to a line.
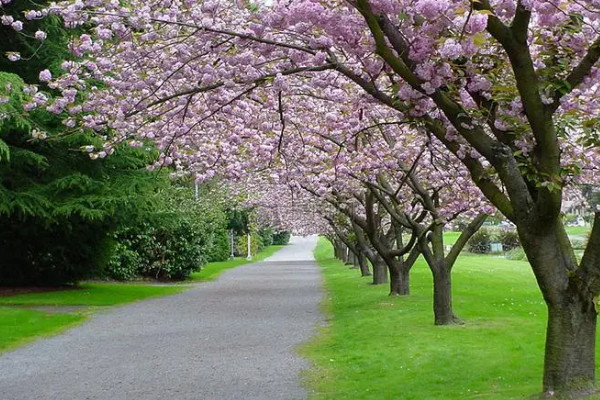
point(33, 253)
point(219, 248)
point(578, 244)
point(242, 245)
point(281, 237)
point(265, 237)
point(480, 242)
point(509, 239)
point(174, 238)
point(516, 254)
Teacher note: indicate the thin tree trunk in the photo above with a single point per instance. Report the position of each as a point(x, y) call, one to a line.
point(352, 259)
point(405, 280)
point(379, 272)
point(363, 265)
point(442, 297)
point(395, 280)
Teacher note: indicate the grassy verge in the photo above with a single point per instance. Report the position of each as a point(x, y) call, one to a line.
point(212, 271)
point(21, 325)
point(377, 347)
point(93, 294)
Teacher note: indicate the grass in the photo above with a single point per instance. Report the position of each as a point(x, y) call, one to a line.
point(377, 347)
point(451, 237)
point(212, 271)
point(21, 325)
point(94, 294)
point(578, 230)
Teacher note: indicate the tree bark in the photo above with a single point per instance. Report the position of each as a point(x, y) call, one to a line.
point(569, 365)
point(352, 259)
point(569, 362)
point(363, 265)
point(405, 280)
point(379, 272)
point(442, 296)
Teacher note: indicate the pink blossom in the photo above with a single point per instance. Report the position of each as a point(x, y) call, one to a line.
point(45, 76)
point(40, 35)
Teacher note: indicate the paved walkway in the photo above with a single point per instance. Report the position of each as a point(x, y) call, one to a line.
point(230, 339)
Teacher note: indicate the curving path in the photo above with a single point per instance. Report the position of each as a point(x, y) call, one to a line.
point(229, 339)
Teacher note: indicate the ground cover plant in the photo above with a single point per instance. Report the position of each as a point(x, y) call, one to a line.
point(379, 347)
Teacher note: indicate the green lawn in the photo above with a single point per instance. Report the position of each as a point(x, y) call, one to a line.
point(21, 325)
point(378, 347)
point(212, 271)
point(578, 230)
point(94, 294)
point(450, 238)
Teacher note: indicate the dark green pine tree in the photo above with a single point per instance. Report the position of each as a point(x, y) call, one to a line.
point(58, 208)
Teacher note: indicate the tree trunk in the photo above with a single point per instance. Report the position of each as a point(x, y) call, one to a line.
point(442, 297)
point(362, 263)
point(405, 280)
point(345, 254)
point(569, 365)
point(379, 272)
point(399, 280)
point(352, 259)
point(337, 253)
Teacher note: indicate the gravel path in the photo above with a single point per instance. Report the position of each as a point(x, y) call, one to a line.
point(229, 339)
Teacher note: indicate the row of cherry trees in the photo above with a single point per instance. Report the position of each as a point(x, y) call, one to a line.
point(387, 118)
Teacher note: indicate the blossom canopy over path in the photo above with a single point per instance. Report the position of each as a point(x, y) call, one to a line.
point(498, 98)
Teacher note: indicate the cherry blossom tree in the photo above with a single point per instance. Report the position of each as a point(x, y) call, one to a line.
point(510, 87)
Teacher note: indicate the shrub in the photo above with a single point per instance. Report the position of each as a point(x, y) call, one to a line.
point(281, 237)
point(219, 247)
point(175, 237)
point(480, 242)
point(509, 240)
point(242, 245)
point(265, 237)
point(33, 253)
point(159, 249)
point(124, 263)
point(516, 254)
point(579, 244)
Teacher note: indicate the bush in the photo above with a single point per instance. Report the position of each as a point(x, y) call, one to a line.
point(265, 237)
point(176, 237)
point(219, 248)
point(579, 244)
point(158, 249)
point(480, 242)
point(516, 254)
point(124, 263)
point(33, 253)
point(281, 237)
point(242, 245)
point(509, 240)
